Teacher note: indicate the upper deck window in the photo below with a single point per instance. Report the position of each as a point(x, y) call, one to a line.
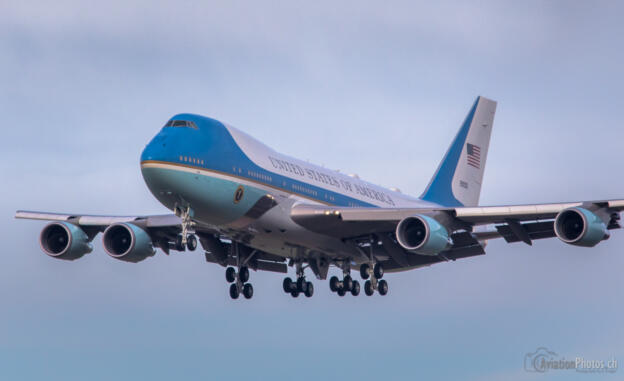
point(181, 123)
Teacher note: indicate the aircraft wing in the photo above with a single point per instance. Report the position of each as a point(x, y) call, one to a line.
point(163, 230)
point(514, 223)
point(99, 220)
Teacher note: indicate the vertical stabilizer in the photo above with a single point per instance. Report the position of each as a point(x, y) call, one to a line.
point(457, 182)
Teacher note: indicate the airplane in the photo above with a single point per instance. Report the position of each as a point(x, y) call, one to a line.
point(251, 207)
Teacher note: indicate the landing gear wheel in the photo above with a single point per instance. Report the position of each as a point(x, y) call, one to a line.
point(341, 291)
point(230, 274)
point(364, 271)
point(302, 286)
point(334, 283)
point(247, 290)
point(378, 270)
point(191, 242)
point(178, 243)
point(287, 285)
point(243, 274)
point(382, 287)
point(234, 291)
point(309, 289)
point(347, 283)
point(355, 289)
point(368, 288)
point(294, 293)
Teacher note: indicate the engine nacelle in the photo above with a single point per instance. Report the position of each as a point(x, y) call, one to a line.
point(63, 240)
point(422, 235)
point(127, 242)
point(580, 227)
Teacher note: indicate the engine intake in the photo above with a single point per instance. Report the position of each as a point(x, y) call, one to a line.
point(580, 227)
point(63, 240)
point(127, 242)
point(422, 235)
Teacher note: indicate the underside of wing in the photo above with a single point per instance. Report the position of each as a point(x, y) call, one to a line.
point(134, 238)
point(403, 234)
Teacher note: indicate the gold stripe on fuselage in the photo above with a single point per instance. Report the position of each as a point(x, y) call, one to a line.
point(159, 164)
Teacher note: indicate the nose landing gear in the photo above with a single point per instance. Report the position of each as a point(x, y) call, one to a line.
point(185, 240)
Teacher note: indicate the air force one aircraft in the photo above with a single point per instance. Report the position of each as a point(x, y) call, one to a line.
point(253, 208)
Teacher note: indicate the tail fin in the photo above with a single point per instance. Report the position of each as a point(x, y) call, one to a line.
point(457, 182)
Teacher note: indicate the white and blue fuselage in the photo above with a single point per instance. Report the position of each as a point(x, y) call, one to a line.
point(220, 173)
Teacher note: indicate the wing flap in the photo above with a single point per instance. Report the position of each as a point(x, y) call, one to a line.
point(535, 230)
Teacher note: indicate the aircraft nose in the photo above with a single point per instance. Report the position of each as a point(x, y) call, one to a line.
point(155, 149)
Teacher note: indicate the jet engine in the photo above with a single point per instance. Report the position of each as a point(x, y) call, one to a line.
point(63, 240)
point(580, 227)
point(127, 242)
point(422, 235)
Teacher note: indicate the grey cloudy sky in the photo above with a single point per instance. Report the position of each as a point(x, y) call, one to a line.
point(375, 89)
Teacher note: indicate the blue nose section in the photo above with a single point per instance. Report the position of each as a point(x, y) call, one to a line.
point(157, 149)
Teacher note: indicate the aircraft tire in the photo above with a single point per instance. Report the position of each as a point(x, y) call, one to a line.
point(248, 291)
point(347, 283)
point(243, 274)
point(287, 285)
point(383, 287)
point(230, 274)
point(234, 291)
point(364, 271)
point(368, 288)
point(309, 290)
point(178, 243)
point(378, 270)
point(355, 289)
point(191, 242)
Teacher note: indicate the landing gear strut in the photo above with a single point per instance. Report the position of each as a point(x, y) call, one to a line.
point(301, 286)
point(185, 240)
point(238, 279)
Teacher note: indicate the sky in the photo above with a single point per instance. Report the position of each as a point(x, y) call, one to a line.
point(368, 88)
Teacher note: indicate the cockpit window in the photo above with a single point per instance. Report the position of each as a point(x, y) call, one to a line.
point(181, 123)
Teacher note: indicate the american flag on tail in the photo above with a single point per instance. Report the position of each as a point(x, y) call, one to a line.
point(474, 155)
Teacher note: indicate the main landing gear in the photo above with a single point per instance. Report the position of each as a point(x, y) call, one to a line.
point(301, 286)
point(347, 284)
point(375, 283)
point(239, 279)
point(238, 282)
